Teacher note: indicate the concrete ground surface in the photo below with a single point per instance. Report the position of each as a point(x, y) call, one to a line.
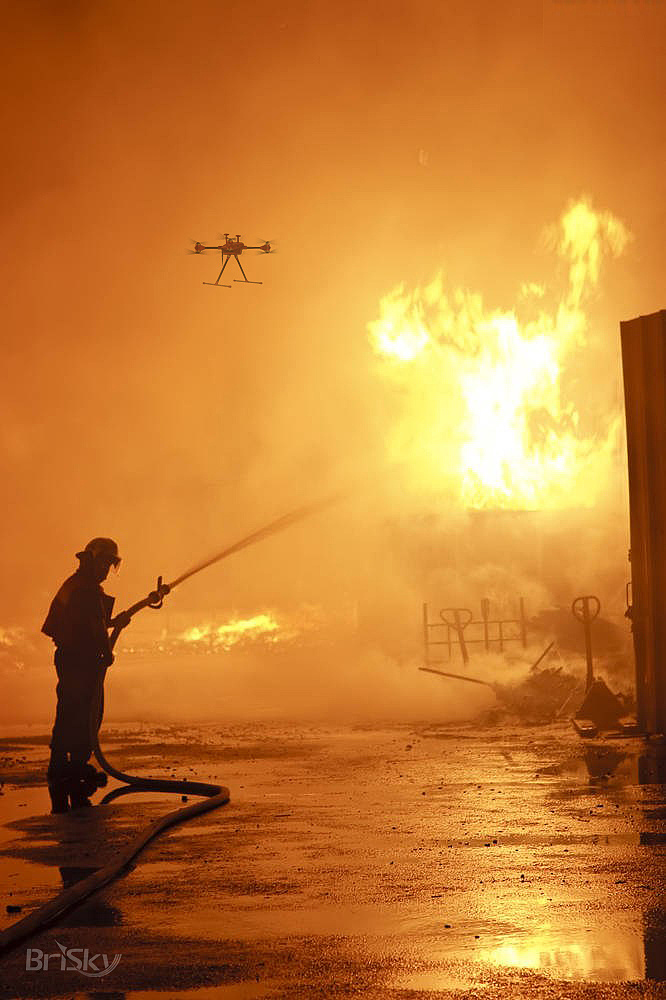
point(405, 862)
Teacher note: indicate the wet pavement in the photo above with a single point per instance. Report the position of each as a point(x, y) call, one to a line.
point(397, 862)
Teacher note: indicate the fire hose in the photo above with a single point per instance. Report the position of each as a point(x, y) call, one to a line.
point(214, 796)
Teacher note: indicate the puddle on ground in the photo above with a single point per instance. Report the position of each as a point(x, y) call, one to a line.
point(627, 837)
point(19, 804)
point(144, 796)
point(592, 955)
point(434, 981)
point(22, 881)
point(580, 953)
point(228, 991)
point(582, 950)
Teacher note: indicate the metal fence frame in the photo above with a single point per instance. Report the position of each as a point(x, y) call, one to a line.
point(463, 618)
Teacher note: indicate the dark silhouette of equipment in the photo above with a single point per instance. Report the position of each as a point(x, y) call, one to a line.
point(643, 359)
point(586, 609)
point(601, 710)
point(232, 248)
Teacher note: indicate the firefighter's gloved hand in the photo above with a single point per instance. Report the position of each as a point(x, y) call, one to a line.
point(122, 620)
point(157, 596)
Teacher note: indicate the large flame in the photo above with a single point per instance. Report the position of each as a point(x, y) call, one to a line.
point(481, 408)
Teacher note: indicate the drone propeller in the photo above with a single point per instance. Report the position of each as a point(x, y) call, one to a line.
point(198, 247)
point(268, 246)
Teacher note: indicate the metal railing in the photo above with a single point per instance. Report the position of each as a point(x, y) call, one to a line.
point(454, 623)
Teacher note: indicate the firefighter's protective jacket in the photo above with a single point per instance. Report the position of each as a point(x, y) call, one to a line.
point(78, 619)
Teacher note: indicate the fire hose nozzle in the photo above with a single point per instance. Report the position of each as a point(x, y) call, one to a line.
point(156, 597)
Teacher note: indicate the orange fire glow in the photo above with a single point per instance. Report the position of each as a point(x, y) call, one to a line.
point(482, 411)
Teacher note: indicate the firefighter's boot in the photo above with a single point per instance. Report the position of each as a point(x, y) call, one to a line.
point(58, 781)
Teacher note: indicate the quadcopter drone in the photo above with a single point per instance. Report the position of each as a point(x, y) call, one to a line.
point(232, 248)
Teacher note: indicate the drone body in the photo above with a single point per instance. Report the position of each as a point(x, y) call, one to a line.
point(232, 248)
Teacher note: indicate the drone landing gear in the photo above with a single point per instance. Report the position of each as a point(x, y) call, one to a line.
point(243, 281)
point(245, 278)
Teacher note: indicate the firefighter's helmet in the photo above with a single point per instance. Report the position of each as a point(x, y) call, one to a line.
point(101, 547)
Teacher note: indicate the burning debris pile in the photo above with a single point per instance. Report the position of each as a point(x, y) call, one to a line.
point(240, 631)
point(262, 630)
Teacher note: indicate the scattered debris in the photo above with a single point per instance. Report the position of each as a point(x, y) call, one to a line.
point(542, 695)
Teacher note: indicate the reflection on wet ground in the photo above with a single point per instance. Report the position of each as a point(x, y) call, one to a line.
point(587, 949)
point(34, 875)
point(20, 879)
point(231, 991)
point(415, 860)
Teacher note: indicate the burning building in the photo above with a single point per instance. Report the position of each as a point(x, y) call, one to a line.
point(510, 450)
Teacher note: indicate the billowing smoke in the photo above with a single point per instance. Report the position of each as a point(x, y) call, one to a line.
point(139, 404)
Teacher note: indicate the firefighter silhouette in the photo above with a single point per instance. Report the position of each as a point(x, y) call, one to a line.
point(78, 622)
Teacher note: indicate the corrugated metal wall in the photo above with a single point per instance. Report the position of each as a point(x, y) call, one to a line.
point(644, 367)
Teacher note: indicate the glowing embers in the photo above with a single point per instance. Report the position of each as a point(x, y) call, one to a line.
point(262, 627)
point(494, 406)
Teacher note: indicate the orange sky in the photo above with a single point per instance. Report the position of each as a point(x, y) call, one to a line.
point(137, 402)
